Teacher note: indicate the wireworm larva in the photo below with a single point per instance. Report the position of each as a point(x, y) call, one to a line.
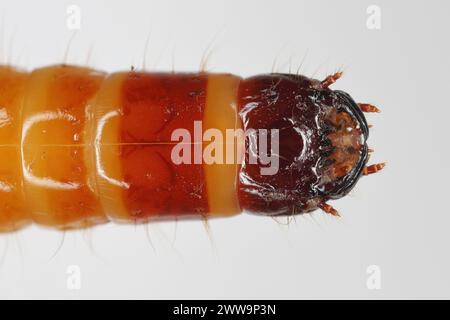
point(80, 147)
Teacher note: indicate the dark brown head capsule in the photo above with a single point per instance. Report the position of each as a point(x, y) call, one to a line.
point(322, 143)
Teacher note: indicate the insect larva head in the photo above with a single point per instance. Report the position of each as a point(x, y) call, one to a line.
point(322, 144)
point(347, 152)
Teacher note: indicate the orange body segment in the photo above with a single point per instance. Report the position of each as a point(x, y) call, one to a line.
point(13, 206)
point(57, 105)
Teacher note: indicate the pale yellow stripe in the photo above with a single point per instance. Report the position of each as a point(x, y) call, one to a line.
point(106, 141)
point(35, 98)
point(221, 113)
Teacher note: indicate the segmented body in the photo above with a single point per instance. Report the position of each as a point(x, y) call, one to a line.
point(80, 147)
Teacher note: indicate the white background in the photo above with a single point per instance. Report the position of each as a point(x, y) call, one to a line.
point(398, 219)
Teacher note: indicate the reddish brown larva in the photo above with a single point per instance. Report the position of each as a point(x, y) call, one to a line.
point(79, 147)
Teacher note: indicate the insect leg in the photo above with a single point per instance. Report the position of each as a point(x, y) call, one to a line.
point(373, 168)
point(365, 107)
point(329, 209)
point(328, 81)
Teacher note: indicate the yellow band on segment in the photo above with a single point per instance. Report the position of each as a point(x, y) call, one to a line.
point(221, 113)
point(106, 128)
